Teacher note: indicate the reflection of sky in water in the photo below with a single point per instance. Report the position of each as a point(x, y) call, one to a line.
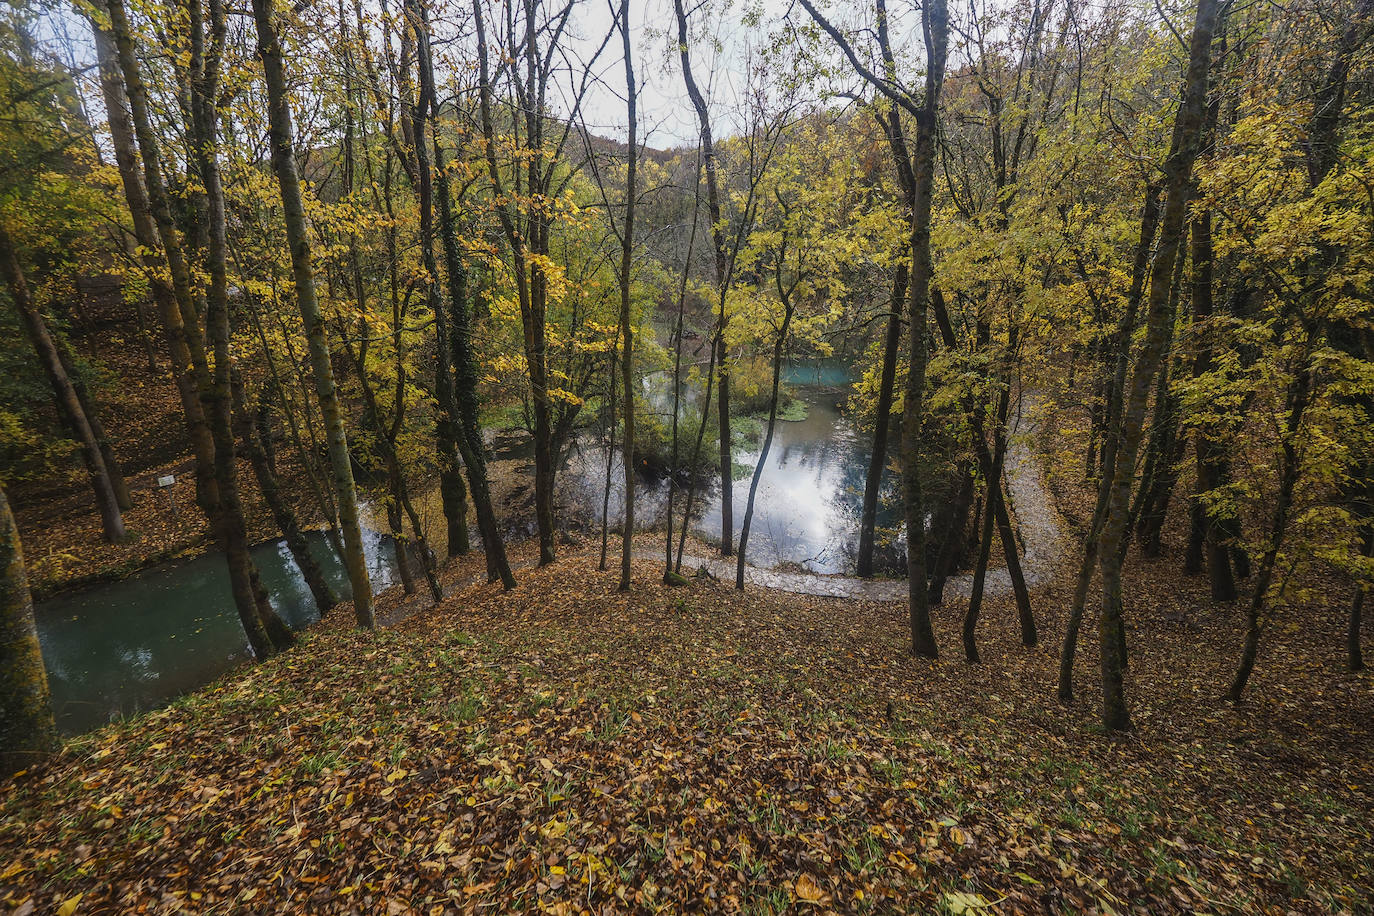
point(809, 497)
point(132, 645)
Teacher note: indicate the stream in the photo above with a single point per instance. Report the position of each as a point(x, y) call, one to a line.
point(125, 647)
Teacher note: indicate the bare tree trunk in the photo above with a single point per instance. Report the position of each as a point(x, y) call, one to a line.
point(1299, 397)
point(788, 305)
point(878, 460)
point(1178, 171)
point(610, 454)
point(954, 544)
point(627, 237)
point(150, 205)
point(27, 731)
point(68, 404)
point(282, 513)
point(668, 571)
point(284, 163)
point(1354, 657)
point(935, 19)
point(113, 469)
point(708, 151)
point(1114, 384)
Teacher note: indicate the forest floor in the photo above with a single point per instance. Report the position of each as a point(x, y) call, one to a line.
point(567, 748)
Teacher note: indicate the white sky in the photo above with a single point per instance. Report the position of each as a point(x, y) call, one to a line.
point(665, 112)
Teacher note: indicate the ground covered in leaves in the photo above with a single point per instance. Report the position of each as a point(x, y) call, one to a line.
point(566, 748)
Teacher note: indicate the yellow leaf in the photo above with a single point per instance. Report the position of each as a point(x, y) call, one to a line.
point(69, 905)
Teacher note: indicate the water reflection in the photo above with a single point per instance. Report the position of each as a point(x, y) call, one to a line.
point(127, 646)
point(810, 495)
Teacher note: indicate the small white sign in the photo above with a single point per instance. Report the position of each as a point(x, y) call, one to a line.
point(166, 481)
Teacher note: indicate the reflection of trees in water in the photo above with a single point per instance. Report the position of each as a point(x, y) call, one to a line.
point(809, 502)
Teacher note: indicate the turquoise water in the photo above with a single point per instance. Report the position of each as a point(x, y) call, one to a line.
point(124, 647)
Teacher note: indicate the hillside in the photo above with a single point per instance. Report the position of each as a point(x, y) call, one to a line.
point(565, 748)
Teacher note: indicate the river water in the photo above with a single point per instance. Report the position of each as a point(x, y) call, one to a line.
point(124, 647)
point(806, 513)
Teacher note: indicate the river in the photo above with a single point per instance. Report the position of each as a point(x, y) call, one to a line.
point(119, 648)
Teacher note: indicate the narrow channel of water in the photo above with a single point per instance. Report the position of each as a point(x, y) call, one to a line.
point(125, 647)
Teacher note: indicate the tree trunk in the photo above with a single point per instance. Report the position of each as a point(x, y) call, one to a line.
point(458, 323)
point(113, 469)
point(150, 205)
point(953, 546)
point(778, 345)
point(878, 461)
point(215, 392)
point(610, 456)
point(975, 604)
point(708, 151)
point(68, 404)
point(282, 513)
point(1209, 446)
point(1298, 398)
point(627, 236)
point(27, 731)
point(1354, 657)
point(677, 380)
point(1113, 385)
point(1178, 171)
point(293, 207)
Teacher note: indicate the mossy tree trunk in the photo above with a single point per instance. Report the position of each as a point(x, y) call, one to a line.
point(297, 234)
point(27, 731)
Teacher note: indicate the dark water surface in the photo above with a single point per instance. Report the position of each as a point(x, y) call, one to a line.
point(125, 647)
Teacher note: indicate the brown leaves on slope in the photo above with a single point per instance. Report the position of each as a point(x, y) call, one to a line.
point(565, 748)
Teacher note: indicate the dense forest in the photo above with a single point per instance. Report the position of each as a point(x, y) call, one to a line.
point(532, 305)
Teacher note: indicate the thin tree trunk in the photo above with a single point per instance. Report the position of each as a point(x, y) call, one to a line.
point(935, 16)
point(1178, 171)
point(68, 404)
point(293, 207)
point(778, 344)
point(610, 455)
point(215, 392)
point(1354, 657)
point(27, 731)
point(282, 513)
point(953, 546)
point(708, 151)
point(627, 237)
point(113, 469)
point(668, 571)
point(878, 461)
point(150, 205)
point(458, 323)
point(1298, 398)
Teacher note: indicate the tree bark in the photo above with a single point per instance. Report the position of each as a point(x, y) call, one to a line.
point(27, 731)
point(1113, 385)
point(150, 206)
point(458, 324)
point(627, 236)
point(68, 404)
point(293, 207)
point(1178, 172)
point(282, 513)
point(708, 152)
point(878, 460)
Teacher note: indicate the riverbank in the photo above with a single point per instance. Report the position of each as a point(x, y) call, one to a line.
point(567, 748)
